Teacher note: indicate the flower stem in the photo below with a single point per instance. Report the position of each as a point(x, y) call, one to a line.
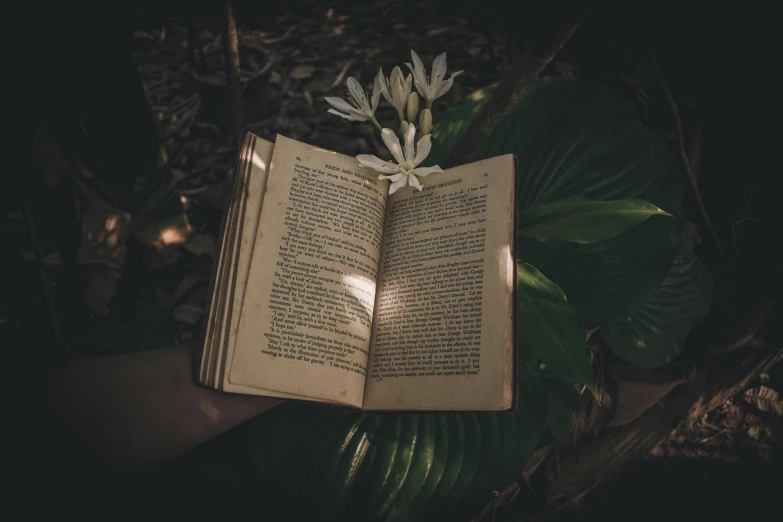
point(377, 125)
point(429, 103)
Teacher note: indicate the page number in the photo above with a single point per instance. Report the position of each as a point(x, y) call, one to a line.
point(486, 174)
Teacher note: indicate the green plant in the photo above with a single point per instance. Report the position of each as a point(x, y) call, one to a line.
point(600, 224)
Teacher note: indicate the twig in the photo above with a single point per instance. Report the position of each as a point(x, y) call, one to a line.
point(339, 79)
point(510, 90)
point(279, 39)
point(684, 158)
point(231, 48)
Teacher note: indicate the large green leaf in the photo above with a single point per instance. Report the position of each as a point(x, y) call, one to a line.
point(573, 138)
point(655, 333)
point(350, 465)
point(550, 327)
point(578, 220)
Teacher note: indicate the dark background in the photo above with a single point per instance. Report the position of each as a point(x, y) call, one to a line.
point(84, 59)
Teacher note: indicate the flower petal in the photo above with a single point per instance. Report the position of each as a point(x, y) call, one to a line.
point(393, 144)
point(423, 172)
point(376, 163)
point(358, 115)
point(422, 149)
point(339, 103)
point(375, 99)
point(346, 116)
point(418, 68)
point(443, 88)
point(355, 91)
point(396, 75)
point(438, 72)
point(376, 94)
point(410, 152)
point(397, 185)
point(421, 86)
point(384, 86)
point(413, 182)
point(398, 88)
point(394, 178)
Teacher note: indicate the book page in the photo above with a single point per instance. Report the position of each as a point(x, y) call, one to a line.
point(253, 196)
point(307, 314)
point(444, 333)
point(218, 281)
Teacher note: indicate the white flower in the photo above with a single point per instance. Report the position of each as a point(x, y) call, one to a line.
point(359, 109)
point(395, 89)
point(405, 172)
point(432, 87)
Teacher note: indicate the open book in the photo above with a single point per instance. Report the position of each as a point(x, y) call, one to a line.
point(329, 289)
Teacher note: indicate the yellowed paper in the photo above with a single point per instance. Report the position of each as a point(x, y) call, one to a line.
point(307, 313)
point(443, 335)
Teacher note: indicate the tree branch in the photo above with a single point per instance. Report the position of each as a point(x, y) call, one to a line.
point(690, 174)
point(510, 90)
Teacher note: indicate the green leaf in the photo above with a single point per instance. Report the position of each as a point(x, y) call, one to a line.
point(655, 334)
point(566, 415)
point(551, 328)
point(571, 139)
point(535, 252)
point(372, 466)
point(574, 138)
point(578, 220)
point(453, 123)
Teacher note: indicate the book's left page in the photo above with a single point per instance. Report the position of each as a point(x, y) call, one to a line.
point(305, 322)
point(238, 236)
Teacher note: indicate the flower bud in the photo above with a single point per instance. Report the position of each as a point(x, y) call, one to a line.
point(404, 128)
point(413, 106)
point(425, 121)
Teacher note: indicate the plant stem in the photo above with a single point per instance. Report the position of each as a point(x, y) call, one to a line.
point(377, 125)
point(686, 164)
point(510, 90)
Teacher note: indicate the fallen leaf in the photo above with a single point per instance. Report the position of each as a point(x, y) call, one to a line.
point(188, 282)
point(759, 432)
point(100, 288)
point(188, 313)
point(302, 72)
point(639, 390)
point(765, 399)
point(202, 243)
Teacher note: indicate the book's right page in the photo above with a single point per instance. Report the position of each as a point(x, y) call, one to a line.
point(443, 332)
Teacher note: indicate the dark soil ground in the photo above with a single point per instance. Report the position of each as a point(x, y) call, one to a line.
point(299, 52)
